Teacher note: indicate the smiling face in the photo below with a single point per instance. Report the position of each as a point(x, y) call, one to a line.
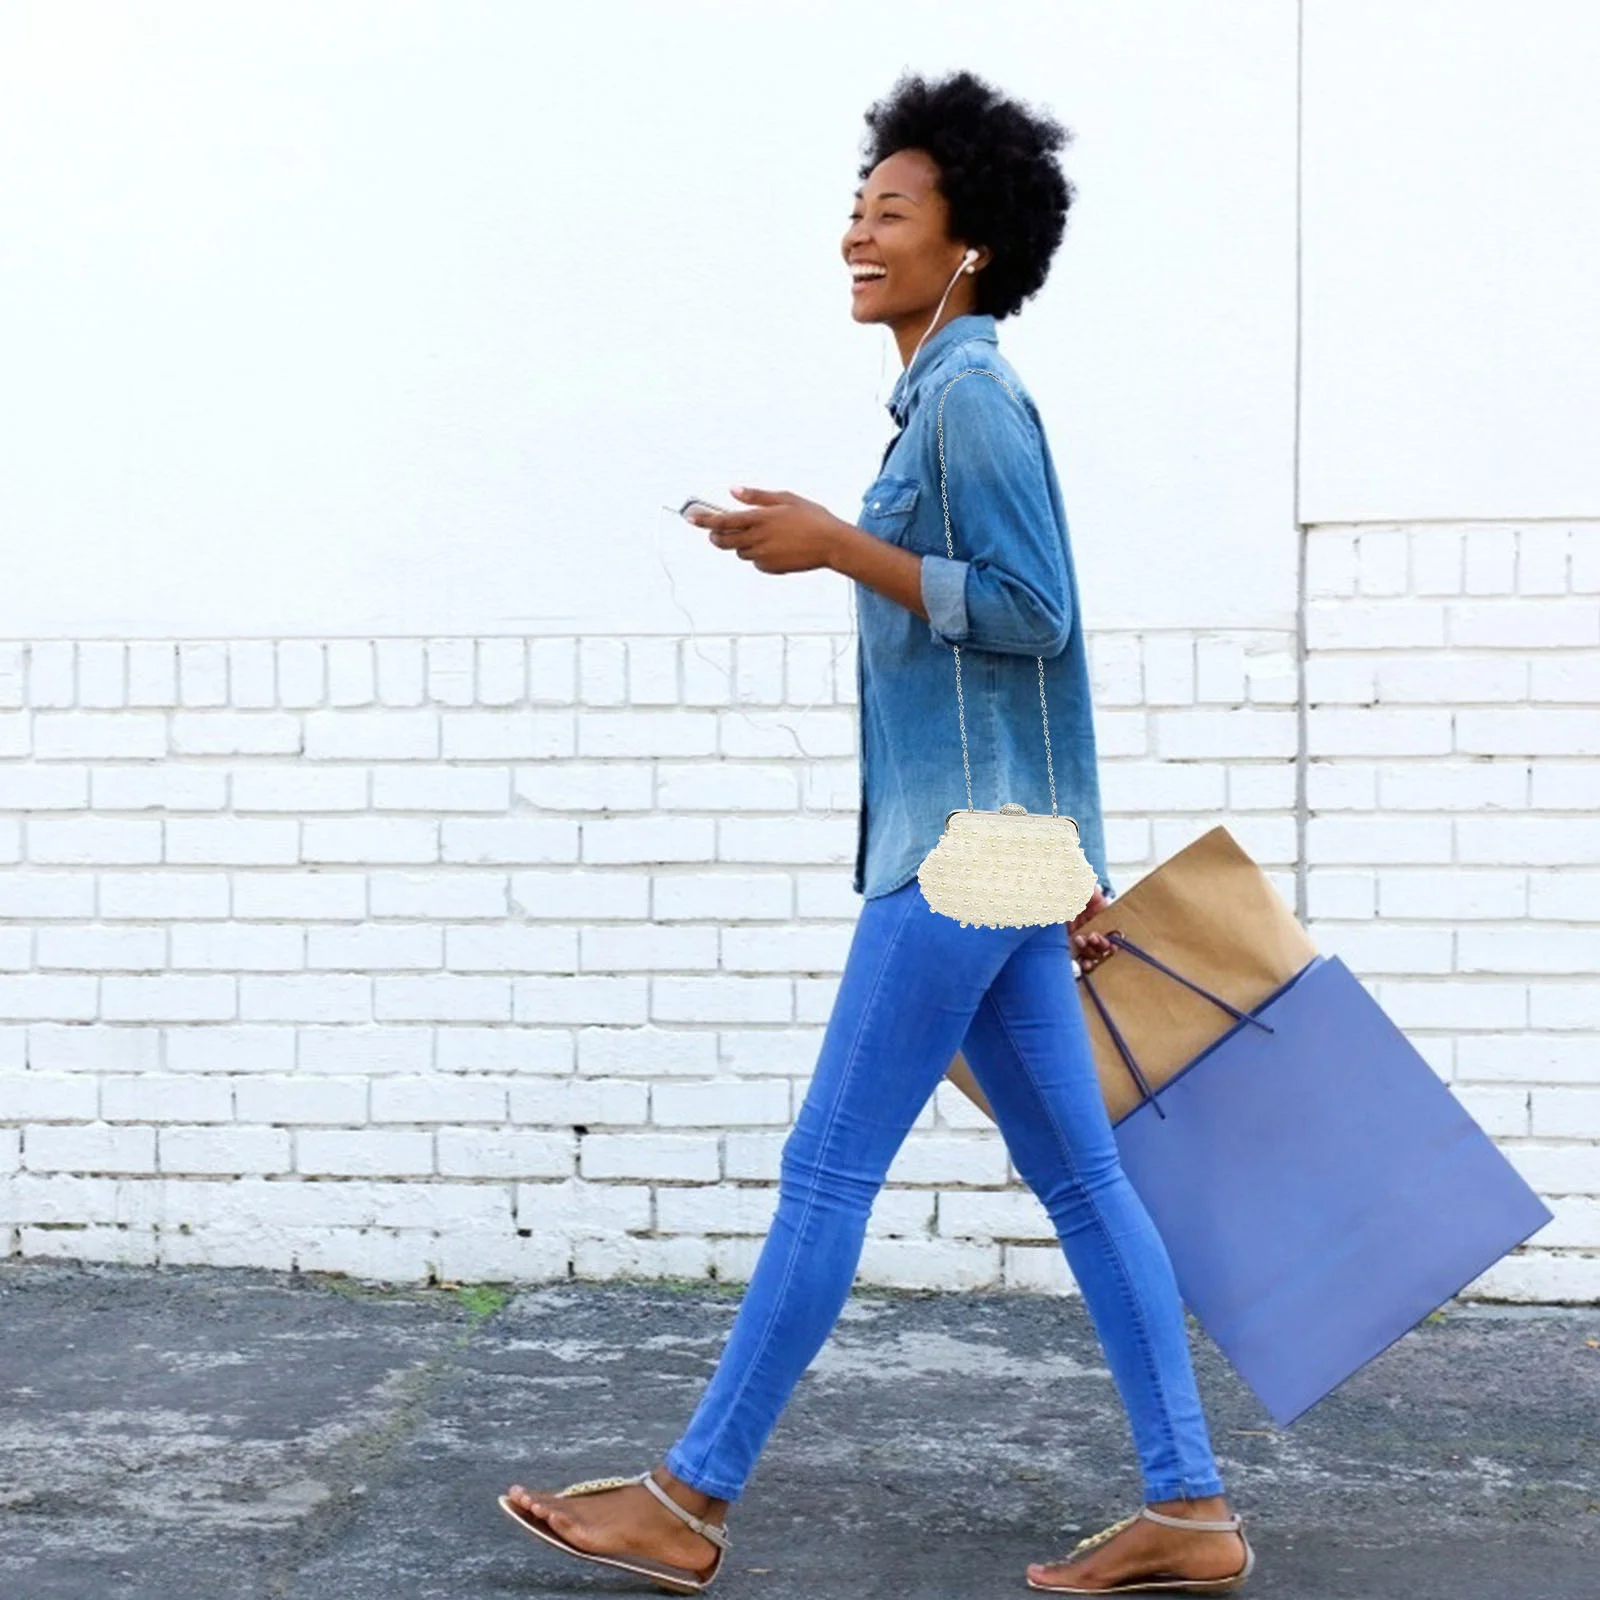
point(899, 249)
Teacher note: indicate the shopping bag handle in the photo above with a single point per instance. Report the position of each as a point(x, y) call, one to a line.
point(1122, 942)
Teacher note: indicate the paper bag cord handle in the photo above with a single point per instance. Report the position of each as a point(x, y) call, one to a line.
point(949, 544)
point(1122, 942)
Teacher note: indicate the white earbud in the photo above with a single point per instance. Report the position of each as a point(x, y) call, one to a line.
point(968, 258)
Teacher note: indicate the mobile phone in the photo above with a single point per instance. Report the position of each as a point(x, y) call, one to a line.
point(705, 505)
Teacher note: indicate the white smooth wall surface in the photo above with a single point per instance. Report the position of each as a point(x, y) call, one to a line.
point(1452, 234)
point(360, 318)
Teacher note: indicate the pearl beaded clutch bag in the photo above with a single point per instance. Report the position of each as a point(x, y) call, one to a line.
point(1008, 868)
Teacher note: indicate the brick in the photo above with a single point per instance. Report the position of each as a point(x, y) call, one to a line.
point(37, 895)
point(1383, 561)
point(238, 947)
point(302, 673)
point(149, 896)
point(373, 1052)
point(152, 674)
point(300, 896)
point(168, 999)
point(1169, 676)
point(707, 671)
point(561, 999)
point(1454, 1006)
point(31, 996)
point(725, 1104)
point(635, 840)
point(235, 733)
point(441, 789)
point(1565, 1005)
point(715, 1209)
point(450, 671)
point(1531, 950)
point(102, 674)
point(232, 841)
point(1378, 731)
point(586, 785)
point(1563, 895)
point(574, 1102)
point(643, 734)
point(73, 1047)
point(305, 999)
point(647, 948)
point(502, 671)
point(808, 669)
point(999, 1214)
point(165, 1097)
point(95, 735)
point(269, 1099)
point(1562, 1113)
point(724, 786)
point(52, 673)
point(1453, 786)
point(1529, 841)
point(230, 1049)
point(505, 1153)
point(88, 1147)
point(252, 674)
point(352, 673)
point(1433, 678)
point(1525, 624)
point(1398, 624)
point(507, 735)
point(1453, 894)
point(565, 893)
point(1331, 565)
point(602, 672)
point(1402, 840)
point(511, 1050)
point(438, 1099)
point(508, 840)
point(1491, 560)
point(950, 1159)
point(92, 841)
point(1436, 561)
point(439, 894)
point(722, 896)
point(441, 999)
point(1528, 731)
point(165, 788)
point(300, 789)
point(50, 1097)
point(1213, 735)
point(1526, 1058)
point(627, 1256)
point(371, 735)
point(511, 949)
point(818, 948)
point(643, 1052)
point(43, 788)
point(553, 671)
point(575, 1207)
point(819, 733)
point(928, 1263)
point(376, 839)
point(663, 1157)
point(401, 667)
point(798, 840)
point(720, 999)
point(374, 948)
point(363, 1152)
point(202, 674)
point(101, 949)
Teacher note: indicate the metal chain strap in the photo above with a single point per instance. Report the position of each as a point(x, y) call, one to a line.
point(944, 497)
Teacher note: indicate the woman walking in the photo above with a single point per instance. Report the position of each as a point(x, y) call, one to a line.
point(962, 207)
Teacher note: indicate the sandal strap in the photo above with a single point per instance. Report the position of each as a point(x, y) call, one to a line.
point(1208, 1525)
point(718, 1535)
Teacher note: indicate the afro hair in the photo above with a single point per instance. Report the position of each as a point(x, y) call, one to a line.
point(997, 171)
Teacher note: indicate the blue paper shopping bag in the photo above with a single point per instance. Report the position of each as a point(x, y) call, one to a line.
point(1320, 1190)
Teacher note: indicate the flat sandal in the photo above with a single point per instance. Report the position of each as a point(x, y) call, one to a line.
point(676, 1580)
point(1233, 1524)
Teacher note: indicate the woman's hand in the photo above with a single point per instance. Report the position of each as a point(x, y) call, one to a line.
point(1089, 949)
point(779, 531)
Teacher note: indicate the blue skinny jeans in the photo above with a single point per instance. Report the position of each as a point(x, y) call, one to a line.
point(916, 985)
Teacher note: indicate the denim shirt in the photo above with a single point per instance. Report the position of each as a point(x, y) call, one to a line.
point(1009, 595)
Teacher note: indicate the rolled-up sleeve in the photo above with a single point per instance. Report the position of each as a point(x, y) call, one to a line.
point(1006, 587)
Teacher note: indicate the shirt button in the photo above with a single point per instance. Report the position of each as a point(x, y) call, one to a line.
point(875, 505)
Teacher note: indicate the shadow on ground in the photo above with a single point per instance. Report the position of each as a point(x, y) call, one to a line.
point(204, 1434)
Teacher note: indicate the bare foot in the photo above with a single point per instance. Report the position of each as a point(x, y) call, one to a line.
point(1143, 1550)
point(630, 1521)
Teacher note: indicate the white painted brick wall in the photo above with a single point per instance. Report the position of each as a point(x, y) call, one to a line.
point(504, 958)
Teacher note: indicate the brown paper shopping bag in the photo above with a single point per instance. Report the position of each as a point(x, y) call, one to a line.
point(1210, 913)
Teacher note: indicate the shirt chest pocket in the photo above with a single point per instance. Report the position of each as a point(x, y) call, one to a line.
point(889, 508)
